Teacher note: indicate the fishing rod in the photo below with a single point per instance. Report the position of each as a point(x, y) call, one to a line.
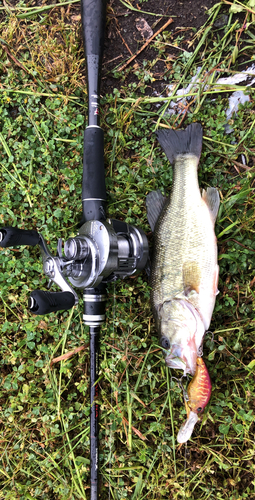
point(103, 250)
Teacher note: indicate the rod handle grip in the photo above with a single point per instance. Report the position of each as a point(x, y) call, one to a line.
point(12, 236)
point(93, 180)
point(42, 302)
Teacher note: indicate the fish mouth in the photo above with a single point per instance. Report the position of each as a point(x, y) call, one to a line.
point(180, 360)
point(175, 362)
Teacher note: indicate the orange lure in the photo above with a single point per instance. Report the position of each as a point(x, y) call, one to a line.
point(199, 392)
point(199, 389)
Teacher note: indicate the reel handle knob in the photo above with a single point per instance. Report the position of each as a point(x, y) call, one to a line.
point(12, 236)
point(42, 302)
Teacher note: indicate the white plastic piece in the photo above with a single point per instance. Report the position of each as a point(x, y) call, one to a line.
point(238, 77)
point(187, 428)
point(175, 105)
point(236, 98)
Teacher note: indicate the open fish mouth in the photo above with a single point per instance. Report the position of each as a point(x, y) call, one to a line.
point(175, 362)
point(181, 359)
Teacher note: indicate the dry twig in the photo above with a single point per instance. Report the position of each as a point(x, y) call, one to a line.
point(119, 33)
point(68, 355)
point(14, 59)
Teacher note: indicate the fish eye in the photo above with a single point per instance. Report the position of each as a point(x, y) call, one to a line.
point(165, 343)
point(199, 409)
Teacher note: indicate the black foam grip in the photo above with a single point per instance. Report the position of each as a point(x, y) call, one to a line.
point(12, 236)
point(46, 302)
point(93, 210)
point(93, 182)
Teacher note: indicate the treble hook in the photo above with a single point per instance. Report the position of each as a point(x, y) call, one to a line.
point(179, 382)
point(212, 334)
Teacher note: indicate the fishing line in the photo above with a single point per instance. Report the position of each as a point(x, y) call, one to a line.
point(180, 384)
point(112, 385)
point(186, 398)
point(185, 468)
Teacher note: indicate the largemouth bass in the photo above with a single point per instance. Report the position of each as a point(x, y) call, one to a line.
point(184, 271)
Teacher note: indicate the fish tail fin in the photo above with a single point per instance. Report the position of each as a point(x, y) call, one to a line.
point(181, 142)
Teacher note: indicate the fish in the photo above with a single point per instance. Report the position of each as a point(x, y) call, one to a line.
point(184, 269)
point(198, 395)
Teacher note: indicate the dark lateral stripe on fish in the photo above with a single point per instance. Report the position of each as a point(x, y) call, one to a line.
point(180, 142)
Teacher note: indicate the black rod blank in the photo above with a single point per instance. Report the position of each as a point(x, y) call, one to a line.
point(93, 182)
point(93, 196)
point(93, 14)
point(94, 411)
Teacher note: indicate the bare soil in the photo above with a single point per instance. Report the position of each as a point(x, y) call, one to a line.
point(123, 39)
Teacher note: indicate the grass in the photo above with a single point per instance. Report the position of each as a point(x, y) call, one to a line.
point(44, 419)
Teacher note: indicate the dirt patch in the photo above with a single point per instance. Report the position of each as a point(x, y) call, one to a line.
point(123, 39)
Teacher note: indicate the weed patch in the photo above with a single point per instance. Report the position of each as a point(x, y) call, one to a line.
point(44, 420)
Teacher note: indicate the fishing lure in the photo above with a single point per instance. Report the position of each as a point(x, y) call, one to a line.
point(199, 392)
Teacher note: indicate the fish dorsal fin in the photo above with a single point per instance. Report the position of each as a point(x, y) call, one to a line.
point(155, 202)
point(191, 274)
point(212, 199)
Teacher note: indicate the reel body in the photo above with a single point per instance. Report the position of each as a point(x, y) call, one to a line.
point(103, 251)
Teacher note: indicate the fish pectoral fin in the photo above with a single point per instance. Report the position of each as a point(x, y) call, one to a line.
point(212, 199)
point(191, 274)
point(155, 202)
point(216, 279)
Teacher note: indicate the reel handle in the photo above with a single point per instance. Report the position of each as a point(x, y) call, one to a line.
point(11, 236)
point(42, 302)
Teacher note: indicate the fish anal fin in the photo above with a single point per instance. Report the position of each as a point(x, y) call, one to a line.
point(191, 274)
point(155, 202)
point(212, 199)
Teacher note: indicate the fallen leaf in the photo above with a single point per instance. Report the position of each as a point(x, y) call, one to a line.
point(144, 28)
point(43, 325)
